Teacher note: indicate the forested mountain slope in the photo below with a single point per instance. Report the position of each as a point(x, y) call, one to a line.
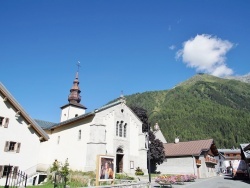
point(200, 108)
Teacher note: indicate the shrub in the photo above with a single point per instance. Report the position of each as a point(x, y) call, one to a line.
point(138, 171)
point(123, 176)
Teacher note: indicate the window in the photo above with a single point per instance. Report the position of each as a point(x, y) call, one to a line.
point(79, 135)
point(120, 129)
point(125, 130)
point(4, 169)
point(11, 146)
point(117, 124)
point(4, 122)
point(58, 139)
point(1, 120)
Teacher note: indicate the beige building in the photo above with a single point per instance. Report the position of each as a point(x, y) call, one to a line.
point(192, 157)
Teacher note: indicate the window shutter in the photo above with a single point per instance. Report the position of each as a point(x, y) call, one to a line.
point(6, 122)
point(15, 171)
point(7, 145)
point(18, 147)
point(1, 171)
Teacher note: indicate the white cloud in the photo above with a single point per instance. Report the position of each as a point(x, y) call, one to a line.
point(172, 47)
point(206, 54)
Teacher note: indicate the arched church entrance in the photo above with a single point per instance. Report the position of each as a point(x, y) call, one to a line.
point(119, 160)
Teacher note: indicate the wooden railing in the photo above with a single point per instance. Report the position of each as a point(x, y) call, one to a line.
point(198, 162)
point(211, 160)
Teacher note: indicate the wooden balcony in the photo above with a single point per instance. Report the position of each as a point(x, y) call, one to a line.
point(233, 157)
point(198, 162)
point(211, 160)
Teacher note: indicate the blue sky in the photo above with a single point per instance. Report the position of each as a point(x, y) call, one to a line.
point(122, 45)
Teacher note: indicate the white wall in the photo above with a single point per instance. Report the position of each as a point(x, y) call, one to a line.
point(183, 165)
point(69, 145)
point(18, 131)
point(98, 138)
point(71, 112)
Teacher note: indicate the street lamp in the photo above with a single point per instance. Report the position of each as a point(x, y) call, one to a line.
point(156, 127)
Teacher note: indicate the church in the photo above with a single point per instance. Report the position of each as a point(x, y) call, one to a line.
point(32, 145)
point(111, 130)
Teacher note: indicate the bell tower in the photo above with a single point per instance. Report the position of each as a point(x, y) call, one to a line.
point(73, 108)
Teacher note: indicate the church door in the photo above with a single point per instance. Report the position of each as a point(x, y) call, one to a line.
point(119, 163)
point(119, 160)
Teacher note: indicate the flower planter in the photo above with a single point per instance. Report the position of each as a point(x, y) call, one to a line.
point(164, 184)
point(169, 180)
point(179, 182)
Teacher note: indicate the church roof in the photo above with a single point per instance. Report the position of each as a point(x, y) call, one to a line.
point(71, 120)
point(44, 124)
point(189, 148)
point(23, 113)
point(56, 125)
point(74, 104)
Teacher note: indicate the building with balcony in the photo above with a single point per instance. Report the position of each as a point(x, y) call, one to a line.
point(191, 157)
point(225, 159)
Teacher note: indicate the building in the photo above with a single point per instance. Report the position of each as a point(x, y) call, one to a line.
point(112, 130)
point(245, 153)
point(226, 158)
point(192, 157)
point(20, 137)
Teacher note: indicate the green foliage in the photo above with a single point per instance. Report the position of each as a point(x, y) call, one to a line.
point(55, 166)
point(200, 108)
point(139, 172)
point(123, 176)
point(46, 185)
point(65, 170)
point(156, 148)
point(58, 167)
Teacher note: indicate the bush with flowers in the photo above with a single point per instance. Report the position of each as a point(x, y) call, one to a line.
point(175, 179)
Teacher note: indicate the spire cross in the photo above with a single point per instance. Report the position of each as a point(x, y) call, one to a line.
point(78, 66)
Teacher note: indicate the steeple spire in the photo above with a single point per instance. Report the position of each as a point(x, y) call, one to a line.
point(74, 96)
point(73, 108)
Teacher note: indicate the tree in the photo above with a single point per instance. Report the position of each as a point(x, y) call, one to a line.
point(156, 148)
point(142, 115)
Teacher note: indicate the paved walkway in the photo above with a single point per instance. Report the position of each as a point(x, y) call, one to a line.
point(186, 184)
point(222, 181)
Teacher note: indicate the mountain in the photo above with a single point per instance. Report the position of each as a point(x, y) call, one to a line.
point(202, 107)
point(245, 78)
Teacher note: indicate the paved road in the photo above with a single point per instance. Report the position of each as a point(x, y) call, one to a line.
point(223, 181)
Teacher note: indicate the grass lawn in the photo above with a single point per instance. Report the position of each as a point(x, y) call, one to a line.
point(43, 186)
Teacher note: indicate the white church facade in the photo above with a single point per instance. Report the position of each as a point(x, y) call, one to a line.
point(80, 136)
point(112, 130)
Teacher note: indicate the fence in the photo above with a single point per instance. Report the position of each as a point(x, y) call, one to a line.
point(15, 178)
point(59, 180)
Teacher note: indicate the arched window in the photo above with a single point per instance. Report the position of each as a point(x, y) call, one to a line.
point(79, 135)
point(125, 130)
point(119, 150)
point(117, 124)
point(120, 129)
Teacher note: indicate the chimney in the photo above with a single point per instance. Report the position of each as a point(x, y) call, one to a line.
point(176, 140)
